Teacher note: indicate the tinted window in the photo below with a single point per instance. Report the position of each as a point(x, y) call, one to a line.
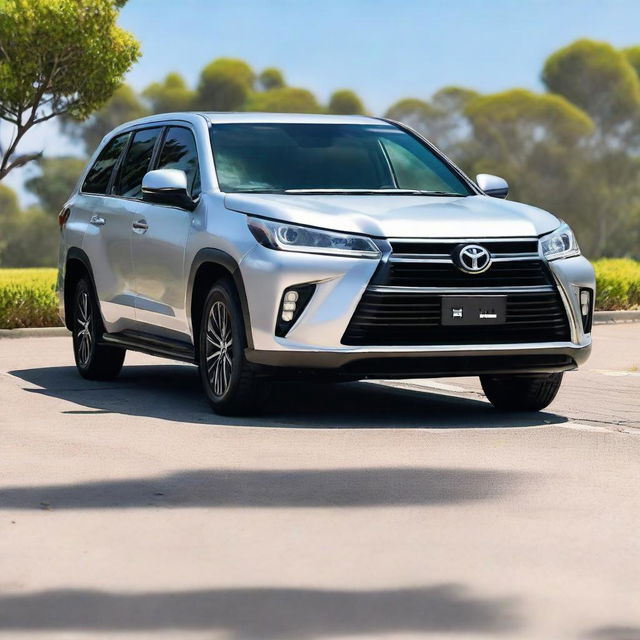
point(136, 163)
point(278, 157)
point(97, 179)
point(179, 152)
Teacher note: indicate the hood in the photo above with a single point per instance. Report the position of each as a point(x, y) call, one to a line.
point(400, 216)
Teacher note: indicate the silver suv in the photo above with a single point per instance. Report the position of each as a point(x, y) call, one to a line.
point(275, 246)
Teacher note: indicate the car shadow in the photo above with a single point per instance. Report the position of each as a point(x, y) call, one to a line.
point(172, 392)
point(274, 488)
point(265, 613)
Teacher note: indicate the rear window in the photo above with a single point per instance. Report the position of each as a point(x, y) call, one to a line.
point(97, 179)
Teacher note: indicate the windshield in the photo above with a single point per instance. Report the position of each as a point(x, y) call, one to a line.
point(328, 158)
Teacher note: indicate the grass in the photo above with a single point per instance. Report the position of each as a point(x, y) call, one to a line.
point(618, 284)
point(28, 299)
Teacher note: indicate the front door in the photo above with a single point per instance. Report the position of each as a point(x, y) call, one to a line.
point(159, 243)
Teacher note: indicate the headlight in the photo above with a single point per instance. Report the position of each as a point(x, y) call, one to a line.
point(561, 243)
point(289, 237)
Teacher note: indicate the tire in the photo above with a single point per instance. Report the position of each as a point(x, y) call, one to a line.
point(521, 392)
point(232, 385)
point(93, 360)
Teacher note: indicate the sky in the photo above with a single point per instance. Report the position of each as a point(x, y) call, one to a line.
point(383, 49)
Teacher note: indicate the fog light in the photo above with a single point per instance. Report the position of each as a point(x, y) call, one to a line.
point(294, 300)
point(586, 309)
point(584, 302)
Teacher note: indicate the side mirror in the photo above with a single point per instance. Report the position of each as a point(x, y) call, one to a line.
point(493, 185)
point(167, 186)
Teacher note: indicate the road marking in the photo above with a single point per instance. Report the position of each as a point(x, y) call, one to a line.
point(608, 372)
point(425, 382)
point(577, 426)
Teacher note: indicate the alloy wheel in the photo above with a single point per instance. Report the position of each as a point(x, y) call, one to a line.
point(84, 319)
point(219, 349)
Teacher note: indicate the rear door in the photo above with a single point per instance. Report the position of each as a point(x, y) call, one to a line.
point(107, 239)
point(160, 241)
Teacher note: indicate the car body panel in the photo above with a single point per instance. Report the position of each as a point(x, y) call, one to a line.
point(397, 216)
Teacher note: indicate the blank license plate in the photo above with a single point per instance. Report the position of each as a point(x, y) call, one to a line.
point(473, 310)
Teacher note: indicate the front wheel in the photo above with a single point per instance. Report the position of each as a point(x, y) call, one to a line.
point(531, 392)
point(232, 385)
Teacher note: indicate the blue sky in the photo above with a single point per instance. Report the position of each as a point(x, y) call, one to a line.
point(383, 49)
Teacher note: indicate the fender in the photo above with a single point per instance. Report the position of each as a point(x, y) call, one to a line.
point(75, 253)
point(223, 259)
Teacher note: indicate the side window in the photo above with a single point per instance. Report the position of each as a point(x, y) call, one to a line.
point(136, 163)
point(97, 179)
point(179, 152)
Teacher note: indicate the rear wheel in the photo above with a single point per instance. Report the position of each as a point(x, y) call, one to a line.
point(232, 384)
point(521, 392)
point(94, 361)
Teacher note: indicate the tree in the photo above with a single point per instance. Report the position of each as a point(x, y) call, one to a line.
point(57, 57)
point(172, 94)
point(271, 78)
point(346, 102)
point(225, 85)
point(123, 106)
point(600, 80)
point(633, 56)
point(56, 181)
point(284, 100)
point(9, 206)
point(442, 120)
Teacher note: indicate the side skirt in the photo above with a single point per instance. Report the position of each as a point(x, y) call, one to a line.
point(152, 345)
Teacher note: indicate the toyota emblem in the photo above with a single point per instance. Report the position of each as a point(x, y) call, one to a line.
point(471, 258)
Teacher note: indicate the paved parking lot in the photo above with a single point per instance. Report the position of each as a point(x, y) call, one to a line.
point(380, 510)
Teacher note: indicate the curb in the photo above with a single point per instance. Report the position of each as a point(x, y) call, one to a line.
point(38, 332)
point(612, 317)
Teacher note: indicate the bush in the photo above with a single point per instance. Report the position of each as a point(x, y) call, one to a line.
point(618, 284)
point(28, 298)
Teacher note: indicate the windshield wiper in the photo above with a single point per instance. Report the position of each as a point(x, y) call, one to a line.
point(365, 192)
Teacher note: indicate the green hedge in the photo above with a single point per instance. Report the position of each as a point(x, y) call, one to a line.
point(28, 299)
point(618, 284)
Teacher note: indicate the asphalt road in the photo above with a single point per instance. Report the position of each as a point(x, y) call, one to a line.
point(404, 510)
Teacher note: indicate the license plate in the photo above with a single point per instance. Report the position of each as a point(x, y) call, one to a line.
point(473, 310)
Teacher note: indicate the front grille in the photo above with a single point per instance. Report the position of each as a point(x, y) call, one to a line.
point(517, 273)
point(395, 318)
point(444, 248)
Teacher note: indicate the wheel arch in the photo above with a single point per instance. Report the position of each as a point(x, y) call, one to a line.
point(77, 265)
point(208, 266)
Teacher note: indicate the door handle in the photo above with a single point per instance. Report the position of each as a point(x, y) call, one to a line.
point(97, 221)
point(140, 226)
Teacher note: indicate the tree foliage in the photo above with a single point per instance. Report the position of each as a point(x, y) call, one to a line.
point(597, 78)
point(225, 85)
point(346, 102)
point(124, 105)
point(271, 78)
point(172, 94)
point(284, 100)
point(57, 178)
point(57, 57)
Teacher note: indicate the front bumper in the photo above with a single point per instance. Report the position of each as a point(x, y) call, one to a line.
point(315, 340)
